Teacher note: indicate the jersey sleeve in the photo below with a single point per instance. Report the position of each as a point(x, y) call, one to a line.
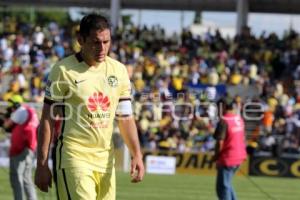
point(57, 85)
point(125, 93)
point(19, 116)
point(221, 129)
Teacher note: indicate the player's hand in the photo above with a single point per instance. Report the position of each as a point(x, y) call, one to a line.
point(43, 178)
point(137, 169)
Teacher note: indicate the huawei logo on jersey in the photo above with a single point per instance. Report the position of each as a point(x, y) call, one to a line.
point(98, 100)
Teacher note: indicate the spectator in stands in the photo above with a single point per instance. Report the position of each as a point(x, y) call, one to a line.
point(180, 63)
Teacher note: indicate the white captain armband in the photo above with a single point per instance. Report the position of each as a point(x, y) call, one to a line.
point(124, 107)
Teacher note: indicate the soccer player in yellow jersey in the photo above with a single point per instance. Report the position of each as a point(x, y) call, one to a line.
point(88, 90)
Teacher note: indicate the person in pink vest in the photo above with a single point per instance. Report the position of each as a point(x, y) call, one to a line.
point(230, 150)
point(22, 121)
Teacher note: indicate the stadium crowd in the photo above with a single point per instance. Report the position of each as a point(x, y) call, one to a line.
point(176, 80)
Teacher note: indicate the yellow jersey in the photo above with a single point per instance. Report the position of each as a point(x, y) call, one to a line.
point(90, 96)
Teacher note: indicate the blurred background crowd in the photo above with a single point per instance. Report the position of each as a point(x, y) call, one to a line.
point(177, 80)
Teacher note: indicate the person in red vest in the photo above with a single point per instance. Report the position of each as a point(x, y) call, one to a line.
point(22, 121)
point(230, 150)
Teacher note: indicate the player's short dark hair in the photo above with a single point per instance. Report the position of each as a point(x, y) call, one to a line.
point(93, 22)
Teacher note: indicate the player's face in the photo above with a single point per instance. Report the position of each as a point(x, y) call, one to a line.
point(96, 45)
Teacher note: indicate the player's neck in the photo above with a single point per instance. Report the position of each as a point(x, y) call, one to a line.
point(90, 62)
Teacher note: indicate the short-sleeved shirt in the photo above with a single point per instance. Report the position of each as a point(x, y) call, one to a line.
point(20, 115)
point(221, 129)
point(90, 96)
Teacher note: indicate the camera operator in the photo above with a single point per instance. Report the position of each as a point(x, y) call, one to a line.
point(22, 121)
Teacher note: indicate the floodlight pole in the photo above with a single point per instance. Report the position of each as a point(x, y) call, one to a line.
point(242, 14)
point(115, 11)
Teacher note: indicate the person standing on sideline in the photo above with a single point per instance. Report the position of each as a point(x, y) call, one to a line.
point(230, 150)
point(88, 90)
point(22, 121)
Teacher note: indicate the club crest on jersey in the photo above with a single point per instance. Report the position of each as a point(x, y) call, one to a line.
point(112, 81)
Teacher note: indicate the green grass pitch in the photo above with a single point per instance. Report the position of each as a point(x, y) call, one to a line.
point(184, 187)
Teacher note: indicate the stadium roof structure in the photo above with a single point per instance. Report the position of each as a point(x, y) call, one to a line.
point(262, 6)
point(242, 7)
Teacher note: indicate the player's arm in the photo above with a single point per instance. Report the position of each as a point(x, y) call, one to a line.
point(43, 175)
point(55, 91)
point(128, 128)
point(129, 133)
point(219, 135)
